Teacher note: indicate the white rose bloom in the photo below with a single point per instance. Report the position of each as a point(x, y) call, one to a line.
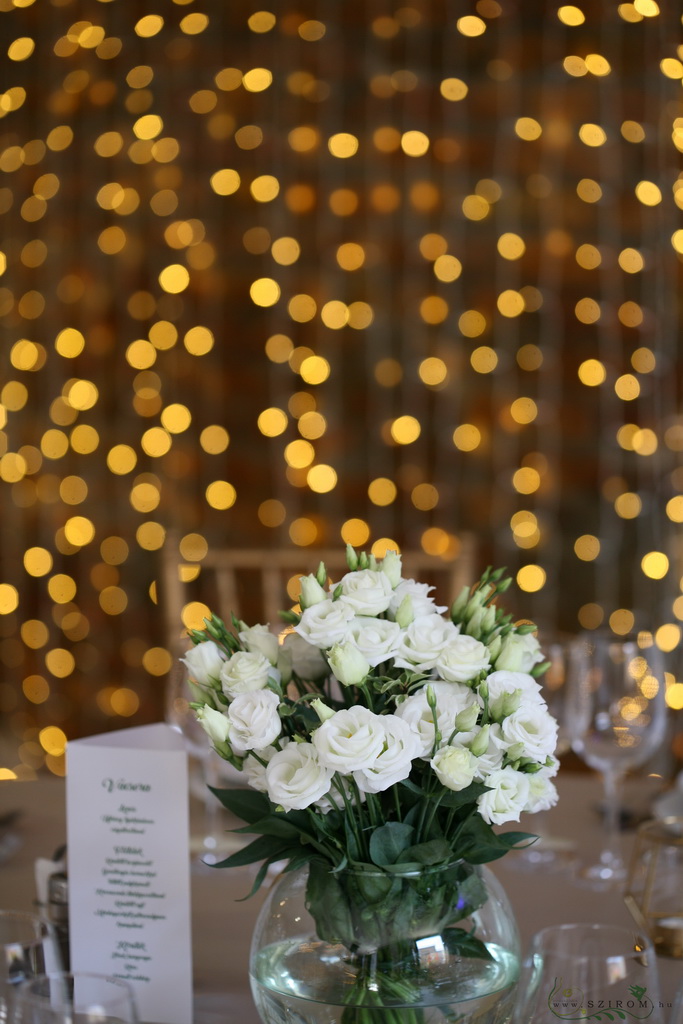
point(245, 671)
point(503, 682)
point(214, 723)
point(454, 767)
point(463, 659)
point(423, 641)
point(350, 740)
point(377, 639)
point(204, 662)
point(394, 762)
point(366, 592)
point(254, 721)
point(506, 798)
point(421, 602)
point(519, 653)
point(295, 778)
point(307, 661)
point(535, 728)
point(542, 794)
point(325, 623)
point(260, 639)
point(451, 699)
point(492, 758)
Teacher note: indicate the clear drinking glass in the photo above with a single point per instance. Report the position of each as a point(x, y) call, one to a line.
point(28, 946)
point(616, 721)
point(551, 853)
point(61, 998)
point(214, 842)
point(588, 971)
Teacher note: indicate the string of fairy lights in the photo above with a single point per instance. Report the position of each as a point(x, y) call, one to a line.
point(309, 274)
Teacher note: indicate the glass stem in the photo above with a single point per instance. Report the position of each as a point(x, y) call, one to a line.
point(611, 854)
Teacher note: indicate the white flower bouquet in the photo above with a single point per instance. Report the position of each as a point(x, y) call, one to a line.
point(378, 733)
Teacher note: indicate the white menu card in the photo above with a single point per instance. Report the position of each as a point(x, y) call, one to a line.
point(128, 865)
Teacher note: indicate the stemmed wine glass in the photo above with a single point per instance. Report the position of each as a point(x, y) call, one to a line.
point(61, 998)
point(214, 842)
point(550, 853)
point(616, 719)
point(28, 946)
point(591, 971)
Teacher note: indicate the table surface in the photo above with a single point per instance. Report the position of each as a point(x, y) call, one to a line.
point(222, 924)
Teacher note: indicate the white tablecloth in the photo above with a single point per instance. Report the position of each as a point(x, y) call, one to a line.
point(222, 926)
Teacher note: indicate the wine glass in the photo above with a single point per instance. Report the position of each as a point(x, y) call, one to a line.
point(61, 998)
point(550, 853)
point(591, 971)
point(28, 946)
point(616, 720)
point(214, 842)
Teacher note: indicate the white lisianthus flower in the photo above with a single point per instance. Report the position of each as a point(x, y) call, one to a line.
point(507, 797)
point(260, 639)
point(349, 741)
point(253, 768)
point(519, 653)
point(245, 671)
point(377, 639)
point(391, 567)
point(349, 665)
point(306, 659)
point(535, 728)
point(366, 592)
point(334, 799)
point(454, 767)
point(214, 723)
point(295, 778)
point(463, 659)
point(423, 641)
point(422, 603)
point(394, 762)
point(204, 662)
point(451, 699)
point(502, 682)
point(325, 623)
point(542, 794)
point(254, 720)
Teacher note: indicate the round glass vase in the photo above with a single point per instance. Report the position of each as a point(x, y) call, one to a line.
point(425, 946)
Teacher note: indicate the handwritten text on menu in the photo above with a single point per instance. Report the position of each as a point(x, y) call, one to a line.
point(128, 863)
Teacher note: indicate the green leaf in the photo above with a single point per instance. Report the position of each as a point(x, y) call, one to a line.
point(435, 851)
point(458, 942)
point(388, 842)
point(327, 904)
point(265, 847)
point(458, 798)
point(247, 804)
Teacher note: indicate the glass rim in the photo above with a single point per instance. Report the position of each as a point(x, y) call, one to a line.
point(628, 941)
point(25, 988)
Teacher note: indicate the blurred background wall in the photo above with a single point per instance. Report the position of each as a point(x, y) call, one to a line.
point(387, 273)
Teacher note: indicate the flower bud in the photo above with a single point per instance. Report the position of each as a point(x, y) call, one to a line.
point(494, 648)
point(311, 591)
point(467, 718)
point(489, 620)
point(460, 603)
point(474, 624)
point(515, 751)
point(214, 723)
point(391, 567)
point(322, 711)
point(284, 664)
point(404, 615)
point(351, 558)
point(480, 743)
point(349, 665)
